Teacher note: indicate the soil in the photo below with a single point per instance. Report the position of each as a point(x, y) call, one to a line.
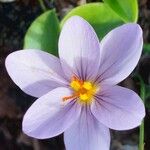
point(15, 18)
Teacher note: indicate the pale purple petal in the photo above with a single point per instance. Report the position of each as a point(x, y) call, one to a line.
point(49, 116)
point(87, 134)
point(79, 46)
point(34, 71)
point(118, 108)
point(120, 52)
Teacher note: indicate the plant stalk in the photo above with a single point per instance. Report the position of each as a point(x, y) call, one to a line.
point(143, 95)
point(42, 5)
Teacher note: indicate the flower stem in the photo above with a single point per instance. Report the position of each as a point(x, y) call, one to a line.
point(141, 137)
point(42, 5)
point(142, 94)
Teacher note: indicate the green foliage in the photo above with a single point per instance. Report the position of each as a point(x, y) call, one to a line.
point(147, 103)
point(147, 48)
point(43, 33)
point(126, 9)
point(99, 15)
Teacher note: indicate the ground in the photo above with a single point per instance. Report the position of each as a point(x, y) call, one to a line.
point(15, 19)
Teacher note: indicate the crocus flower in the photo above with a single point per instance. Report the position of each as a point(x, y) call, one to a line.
point(77, 92)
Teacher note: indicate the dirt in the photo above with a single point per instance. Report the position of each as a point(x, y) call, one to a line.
point(15, 19)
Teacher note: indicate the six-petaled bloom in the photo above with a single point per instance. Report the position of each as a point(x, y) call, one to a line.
point(78, 91)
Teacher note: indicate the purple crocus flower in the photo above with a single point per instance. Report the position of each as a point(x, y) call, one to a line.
point(78, 91)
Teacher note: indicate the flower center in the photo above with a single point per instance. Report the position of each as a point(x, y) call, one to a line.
point(83, 90)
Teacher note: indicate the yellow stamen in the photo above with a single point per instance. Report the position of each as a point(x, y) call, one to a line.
point(87, 85)
point(84, 97)
point(75, 85)
point(83, 90)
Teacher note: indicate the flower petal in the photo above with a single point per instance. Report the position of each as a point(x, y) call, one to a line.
point(79, 46)
point(34, 71)
point(87, 134)
point(118, 108)
point(120, 52)
point(48, 116)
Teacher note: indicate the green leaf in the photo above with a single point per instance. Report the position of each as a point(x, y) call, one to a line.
point(126, 9)
point(147, 48)
point(99, 15)
point(147, 104)
point(43, 33)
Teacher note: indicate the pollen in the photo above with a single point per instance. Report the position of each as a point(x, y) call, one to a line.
point(87, 85)
point(75, 85)
point(83, 90)
point(84, 97)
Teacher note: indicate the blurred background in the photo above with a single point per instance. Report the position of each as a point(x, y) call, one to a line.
point(15, 18)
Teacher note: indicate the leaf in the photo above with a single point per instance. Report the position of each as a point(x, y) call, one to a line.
point(43, 33)
point(5, 1)
point(146, 48)
point(126, 9)
point(147, 97)
point(99, 15)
